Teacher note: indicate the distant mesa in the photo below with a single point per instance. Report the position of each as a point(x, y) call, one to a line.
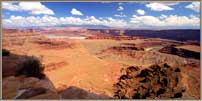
point(187, 51)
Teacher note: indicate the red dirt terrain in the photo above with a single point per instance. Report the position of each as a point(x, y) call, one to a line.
point(92, 64)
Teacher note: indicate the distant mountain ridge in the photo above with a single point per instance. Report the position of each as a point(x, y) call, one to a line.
point(174, 34)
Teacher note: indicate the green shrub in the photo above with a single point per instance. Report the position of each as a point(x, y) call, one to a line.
point(5, 52)
point(177, 70)
point(178, 95)
point(137, 96)
point(161, 91)
point(32, 67)
point(177, 80)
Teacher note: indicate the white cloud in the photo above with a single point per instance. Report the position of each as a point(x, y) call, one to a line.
point(158, 6)
point(10, 6)
point(120, 3)
point(168, 3)
point(140, 12)
point(19, 21)
point(74, 11)
point(105, 2)
point(120, 8)
point(164, 21)
point(100, 18)
point(194, 6)
point(32, 7)
point(120, 15)
point(116, 23)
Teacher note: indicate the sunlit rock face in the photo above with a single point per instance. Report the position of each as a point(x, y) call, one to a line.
point(28, 88)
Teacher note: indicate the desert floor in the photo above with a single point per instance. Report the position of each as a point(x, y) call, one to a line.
point(82, 63)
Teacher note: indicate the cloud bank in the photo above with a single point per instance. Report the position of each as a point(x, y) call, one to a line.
point(35, 8)
point(138, 20)
point(163, 21)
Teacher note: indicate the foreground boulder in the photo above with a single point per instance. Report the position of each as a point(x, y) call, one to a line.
point(28, 88)
point(73, 92)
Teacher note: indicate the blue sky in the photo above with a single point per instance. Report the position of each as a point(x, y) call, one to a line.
point(134, 15)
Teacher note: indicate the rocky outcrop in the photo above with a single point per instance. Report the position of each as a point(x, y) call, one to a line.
point(192, 42)
point(114, 37)
point(180, 52)
point(154, 82)
point(122, 49)
point(10, 64)
point(28, 88)
point(180, 35)
point(125, 48)
point(73, 92)
point(54, 44)
point(10, 30)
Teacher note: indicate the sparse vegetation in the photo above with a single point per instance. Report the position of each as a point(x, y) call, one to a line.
point(161, 91)
point(31, 67)
point(177, 70)
point(5, 52)
point(137, 96)
point(178, 95)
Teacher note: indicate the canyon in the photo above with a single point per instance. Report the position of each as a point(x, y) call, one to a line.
point(84, 63)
